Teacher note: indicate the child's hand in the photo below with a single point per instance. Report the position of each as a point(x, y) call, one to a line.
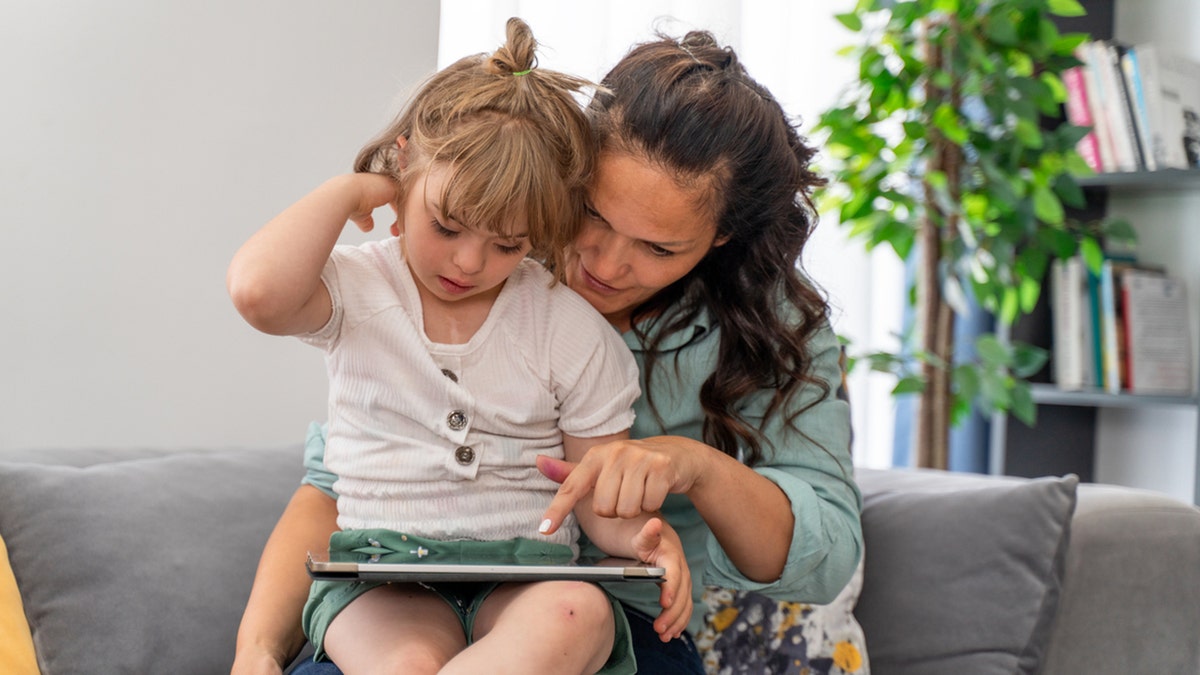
point(658, 544)
point(374, 190)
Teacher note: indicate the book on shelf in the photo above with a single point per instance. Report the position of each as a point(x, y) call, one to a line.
point(1079, 113)
point(1156, 326)
point(1136, 98)
point(1110, 363)
point(1171, 91)
point(1103, 123)
point(1123, 105)
point(1071, 338)
point(1111, 109)
point(1142, 104)
point(1089, 323)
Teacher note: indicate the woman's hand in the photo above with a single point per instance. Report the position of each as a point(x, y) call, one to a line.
point(626, 478)
point(660, 546)
point(750, 515)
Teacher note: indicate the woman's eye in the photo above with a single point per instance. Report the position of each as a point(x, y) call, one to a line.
point(590, 212)
point(659, 251)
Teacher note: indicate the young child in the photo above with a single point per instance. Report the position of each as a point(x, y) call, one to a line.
point(454, 360)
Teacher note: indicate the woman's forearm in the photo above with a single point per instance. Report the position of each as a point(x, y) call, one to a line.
point(750, 515)
point(271, 622)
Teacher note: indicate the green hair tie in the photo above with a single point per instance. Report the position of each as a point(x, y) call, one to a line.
point(523, 72)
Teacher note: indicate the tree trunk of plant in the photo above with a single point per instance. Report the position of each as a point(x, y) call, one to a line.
point(936, 317)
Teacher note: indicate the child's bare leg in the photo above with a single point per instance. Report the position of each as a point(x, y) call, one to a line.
point(545, 627)
point(398, 628)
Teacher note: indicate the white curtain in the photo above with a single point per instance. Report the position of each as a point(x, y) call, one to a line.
point(787, 45)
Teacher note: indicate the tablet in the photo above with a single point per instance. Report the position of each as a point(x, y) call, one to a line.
point(349, 566)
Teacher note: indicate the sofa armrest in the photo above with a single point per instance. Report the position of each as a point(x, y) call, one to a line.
point(1130, 600)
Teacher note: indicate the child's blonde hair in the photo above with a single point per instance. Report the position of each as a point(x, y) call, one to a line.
point(513, 136)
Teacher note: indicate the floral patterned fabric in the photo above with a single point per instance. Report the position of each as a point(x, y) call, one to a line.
point(748, 633)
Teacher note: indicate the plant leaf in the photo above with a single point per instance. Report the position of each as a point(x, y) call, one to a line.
point(1066, 8)
point(1046, 206)
point(1023, 407)
point(850, 20)
point(911, 384)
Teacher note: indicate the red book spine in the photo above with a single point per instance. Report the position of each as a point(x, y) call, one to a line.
point(1079, 114)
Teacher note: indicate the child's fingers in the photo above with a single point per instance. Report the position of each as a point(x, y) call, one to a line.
point(365, 223)
point(648, 539)
point(672, 622)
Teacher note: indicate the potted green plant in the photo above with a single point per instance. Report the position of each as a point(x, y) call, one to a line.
point(941, 149)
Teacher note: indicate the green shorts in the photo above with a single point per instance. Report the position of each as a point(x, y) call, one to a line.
point(327, 598)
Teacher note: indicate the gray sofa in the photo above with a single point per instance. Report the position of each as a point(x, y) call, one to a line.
point(139, 561)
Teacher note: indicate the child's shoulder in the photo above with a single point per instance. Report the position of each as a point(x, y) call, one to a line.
point(536, 304)
point(376, 253)
point(536, 285)
point(377, 259)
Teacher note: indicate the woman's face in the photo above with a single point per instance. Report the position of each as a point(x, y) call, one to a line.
point(642, 233)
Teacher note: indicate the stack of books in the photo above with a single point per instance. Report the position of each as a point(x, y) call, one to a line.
point(1142, 104)
point(1123, 328)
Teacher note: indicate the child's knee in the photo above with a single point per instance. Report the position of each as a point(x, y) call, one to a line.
point(582, 606)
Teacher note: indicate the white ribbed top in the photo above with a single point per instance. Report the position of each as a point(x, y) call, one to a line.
point(543, 361)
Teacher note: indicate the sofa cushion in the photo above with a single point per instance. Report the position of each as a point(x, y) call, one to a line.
point(118, 562)
point(962, 576)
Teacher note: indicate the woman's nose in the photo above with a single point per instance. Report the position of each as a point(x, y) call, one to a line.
point(610, 254)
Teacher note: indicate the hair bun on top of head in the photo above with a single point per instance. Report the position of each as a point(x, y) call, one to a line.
point(703, 47)
point(517, 56)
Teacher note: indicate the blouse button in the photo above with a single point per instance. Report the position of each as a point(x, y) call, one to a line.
point(457, 420)
point(464, 455)
point(450, 374)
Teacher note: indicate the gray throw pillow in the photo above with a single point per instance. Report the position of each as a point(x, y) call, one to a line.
point(144, 565)
point(963, 580)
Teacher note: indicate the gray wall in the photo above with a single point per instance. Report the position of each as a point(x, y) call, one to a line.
point(142, 142)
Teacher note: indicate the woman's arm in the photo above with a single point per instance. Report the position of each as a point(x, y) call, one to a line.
point(269, 636)
point(750, 516)
point(275, 278)
point(646, 536)
point(791, 522)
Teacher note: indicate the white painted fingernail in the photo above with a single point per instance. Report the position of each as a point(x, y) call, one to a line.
point(545, 526)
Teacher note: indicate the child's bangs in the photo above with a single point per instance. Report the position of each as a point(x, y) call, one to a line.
point(505, 179)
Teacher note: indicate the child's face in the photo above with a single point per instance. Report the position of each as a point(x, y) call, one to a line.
point(450, 260)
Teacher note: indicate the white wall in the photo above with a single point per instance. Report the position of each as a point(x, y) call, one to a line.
point(1156, 449)
point(143, 141)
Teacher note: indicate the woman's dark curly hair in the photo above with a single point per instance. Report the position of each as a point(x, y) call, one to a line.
point(688, 106)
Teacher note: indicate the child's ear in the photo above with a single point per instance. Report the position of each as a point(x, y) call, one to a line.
point(401, 164)
point(401, 152)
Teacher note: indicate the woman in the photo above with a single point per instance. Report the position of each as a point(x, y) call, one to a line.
point(698, 214)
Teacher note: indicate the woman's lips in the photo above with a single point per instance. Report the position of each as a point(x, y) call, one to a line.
point(453, 287)
point(595, 284)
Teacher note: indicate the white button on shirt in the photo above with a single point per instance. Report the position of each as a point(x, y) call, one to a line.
point(405, 412)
